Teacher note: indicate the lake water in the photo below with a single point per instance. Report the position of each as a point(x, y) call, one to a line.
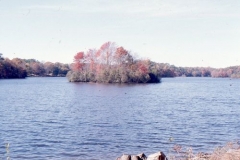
point(50, 118)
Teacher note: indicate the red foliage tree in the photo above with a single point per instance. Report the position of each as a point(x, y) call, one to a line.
point(143, 66)
point(107, 51)
point(91, 57)
point(120, 55)
point(79, 61)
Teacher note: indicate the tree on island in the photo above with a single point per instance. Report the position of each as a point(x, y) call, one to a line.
point(111, 64)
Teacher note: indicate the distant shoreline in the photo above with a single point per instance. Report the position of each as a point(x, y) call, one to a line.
point(21, 68)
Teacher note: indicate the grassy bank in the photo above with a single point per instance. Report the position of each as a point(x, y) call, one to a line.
point(231, 151)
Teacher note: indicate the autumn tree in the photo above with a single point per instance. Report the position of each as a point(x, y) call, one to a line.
point(20, 68)
point(91, 58)
point(121, 56)
point(9, 69)
point(79, 60)
point(107, 51)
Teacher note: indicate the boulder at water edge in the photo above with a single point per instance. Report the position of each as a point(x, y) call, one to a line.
point(142, 156)
point(124, 157)
point(157, 156)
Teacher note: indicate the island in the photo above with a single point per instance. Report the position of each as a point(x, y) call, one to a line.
point(112, 64)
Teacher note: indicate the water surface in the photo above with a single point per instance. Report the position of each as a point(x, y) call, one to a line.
point(50, 118)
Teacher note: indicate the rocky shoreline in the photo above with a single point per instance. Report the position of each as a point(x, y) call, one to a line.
point(142, 156)
point(231, 151)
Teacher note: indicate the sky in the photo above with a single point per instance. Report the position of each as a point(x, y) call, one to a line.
point(185, 33)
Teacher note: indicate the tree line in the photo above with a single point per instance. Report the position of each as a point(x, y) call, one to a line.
point(21, 68)
point(168, 70)
point(109, 64)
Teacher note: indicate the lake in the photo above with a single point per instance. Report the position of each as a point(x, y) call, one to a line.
point(50, 118)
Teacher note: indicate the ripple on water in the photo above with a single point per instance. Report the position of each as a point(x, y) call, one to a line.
point(49, 118)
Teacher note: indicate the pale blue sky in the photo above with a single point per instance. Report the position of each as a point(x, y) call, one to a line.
point(179, 32)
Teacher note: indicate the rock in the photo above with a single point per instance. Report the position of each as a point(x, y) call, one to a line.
point(124, 157)
point(157, 156)
point(133, 157)
point(142, 156)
